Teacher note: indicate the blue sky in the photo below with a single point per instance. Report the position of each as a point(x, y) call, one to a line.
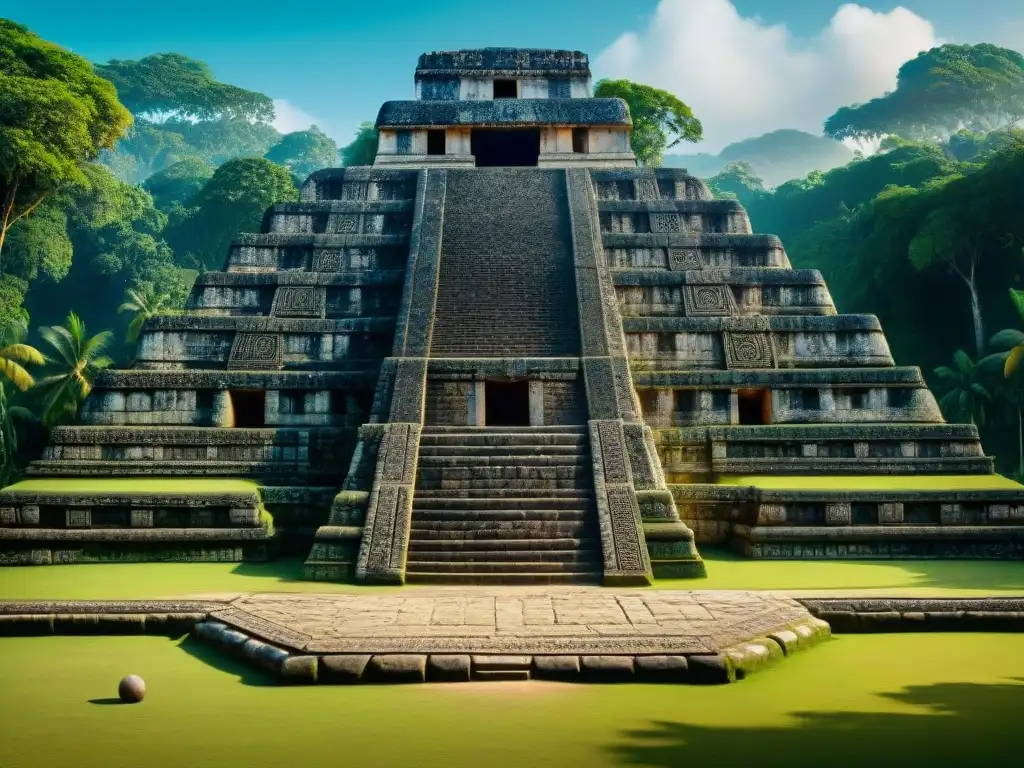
point(337, 62)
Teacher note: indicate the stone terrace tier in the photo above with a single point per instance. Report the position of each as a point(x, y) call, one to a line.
point(745, 371)
point(268, 375)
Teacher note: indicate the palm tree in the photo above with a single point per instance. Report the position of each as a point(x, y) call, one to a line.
point(14, 354)
point(143, 302)
point(966, 396)
point(79, 357)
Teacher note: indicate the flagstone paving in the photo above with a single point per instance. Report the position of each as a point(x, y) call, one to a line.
point(510, 620)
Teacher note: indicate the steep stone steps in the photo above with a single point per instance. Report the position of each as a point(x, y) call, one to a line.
point(504, 505)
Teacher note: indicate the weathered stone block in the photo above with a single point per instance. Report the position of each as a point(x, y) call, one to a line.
point(556, 667)
point(787, 639)
point(890, 514)
point(397, 668)
point(142, 518)
point(607, 669)
point(299, 669)
point(951, 514)
point(710, 669)
point(662, 669)
point(78, 517)
point(342, 669)
point(453, 668)
point(838, 514)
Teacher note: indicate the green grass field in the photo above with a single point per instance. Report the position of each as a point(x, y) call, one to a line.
point(879, 700)
point(127, 485)
point(725, 571)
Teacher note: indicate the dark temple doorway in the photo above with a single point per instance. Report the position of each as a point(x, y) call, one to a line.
point(507, 403)
point(249, 407)
point(505, 146)
point(755, 406)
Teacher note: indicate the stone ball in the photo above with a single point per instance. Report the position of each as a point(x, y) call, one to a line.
point(132, 689)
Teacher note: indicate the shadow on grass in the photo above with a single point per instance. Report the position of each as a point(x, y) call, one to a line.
point(285, 569)
point(960, 724)
point(108, 701)
point(221, 660)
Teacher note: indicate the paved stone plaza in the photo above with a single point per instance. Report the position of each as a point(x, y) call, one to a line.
point(513, 620)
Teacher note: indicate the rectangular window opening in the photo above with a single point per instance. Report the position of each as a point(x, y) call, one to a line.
point(249, 408)
point(506, 89)
point(755, 406)
point(580, 141)
point(436, 143)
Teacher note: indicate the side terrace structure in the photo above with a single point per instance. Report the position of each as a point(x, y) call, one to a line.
point(521, 358)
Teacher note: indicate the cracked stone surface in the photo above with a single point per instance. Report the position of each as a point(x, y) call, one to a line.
point(513, 620)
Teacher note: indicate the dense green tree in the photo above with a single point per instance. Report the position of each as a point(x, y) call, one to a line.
point(77, 358)
point(173, 84)
point(966, 397)
point(303, 152)
point(942, 90)
point(232, 201)
point(55, 114)
point(968, 146)
point(660, 120)
point(363, 149)
point(177, 183)
point(737, 180)
point(775, 157)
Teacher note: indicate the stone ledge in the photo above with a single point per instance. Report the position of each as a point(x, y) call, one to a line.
point(131, 535)
point(783, 378)
point(777, 323)
point(711, 276)
point(864, 615)
point(369, 277)
point(362, 378)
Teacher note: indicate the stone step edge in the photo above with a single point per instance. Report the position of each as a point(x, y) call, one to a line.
point(732, 664)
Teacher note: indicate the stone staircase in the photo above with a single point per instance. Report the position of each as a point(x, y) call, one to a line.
point(504, 505)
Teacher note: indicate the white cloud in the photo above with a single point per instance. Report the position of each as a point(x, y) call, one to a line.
point(288, 118)
point(744, 78)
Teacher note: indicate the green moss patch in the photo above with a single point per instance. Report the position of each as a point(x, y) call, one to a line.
point(873, 482)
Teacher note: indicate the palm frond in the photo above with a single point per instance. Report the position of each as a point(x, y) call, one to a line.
point(23, 353)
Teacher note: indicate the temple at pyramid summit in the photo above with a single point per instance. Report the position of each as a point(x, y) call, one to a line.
point(506, 353)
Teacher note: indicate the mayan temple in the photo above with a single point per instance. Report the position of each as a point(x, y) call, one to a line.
point(505, 353)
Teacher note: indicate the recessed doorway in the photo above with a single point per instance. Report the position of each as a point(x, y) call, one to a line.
point(249, 407)
point(507, 403)
point(755, 406)
point(495, 147)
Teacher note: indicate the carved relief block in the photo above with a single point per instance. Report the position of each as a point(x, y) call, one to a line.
point(299, 301)
point(665, 222)
point(647, 189)
point(890, 514)
point(78, 517)
point(346, 224)
point(771, 514)
point(861, 449)
point(142, 518)
point(397, 454)
point(708, 300)
point(8, 516)
point(385, 514)
point(998, 513)
point(613, 453)
point(625, 518)
point(951, 514)
point(245, 517)
point(838, 514)
point(257, 351)
point(748, 350)
point(327, 261)
point(30, 514)
point(685, 258)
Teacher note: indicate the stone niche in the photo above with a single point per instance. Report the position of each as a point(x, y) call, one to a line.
point(505, 401)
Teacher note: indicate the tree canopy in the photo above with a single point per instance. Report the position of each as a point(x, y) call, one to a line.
point(173, 84)
point(232, 201)
point(55, 114)
point(660, 119)
point(303, 152)
point(363, 149)
point(178, 182)
point(980, 87)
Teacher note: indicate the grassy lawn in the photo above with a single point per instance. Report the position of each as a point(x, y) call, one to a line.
point(725, 571)
point(879, 700)
point(128, 485)
point(873, 482)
